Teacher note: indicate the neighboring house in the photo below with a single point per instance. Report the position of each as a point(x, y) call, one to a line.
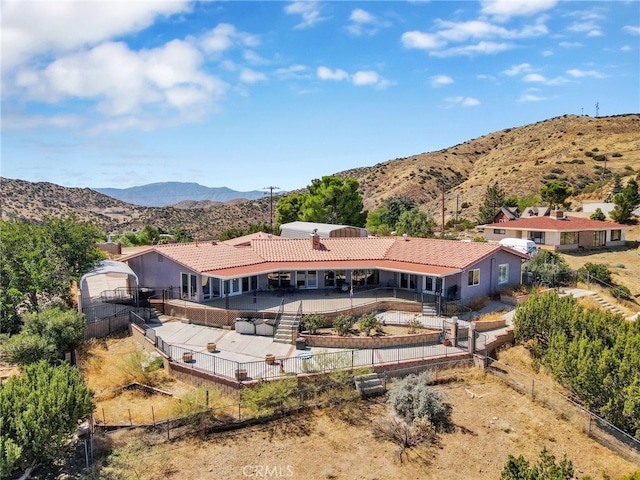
point(204, 271)
point(530, 212)
point(506, 214)
point(324, 230)
point(560, 233)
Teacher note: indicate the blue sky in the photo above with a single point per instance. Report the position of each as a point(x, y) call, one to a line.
point(250, 94)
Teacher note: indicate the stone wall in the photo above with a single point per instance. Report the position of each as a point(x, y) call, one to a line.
point(492, 325)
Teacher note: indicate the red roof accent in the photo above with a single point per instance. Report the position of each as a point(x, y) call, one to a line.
point(550, 223)
point(422, 255)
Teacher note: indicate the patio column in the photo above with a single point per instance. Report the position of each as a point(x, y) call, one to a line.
point(454, 331)
point(472, 338)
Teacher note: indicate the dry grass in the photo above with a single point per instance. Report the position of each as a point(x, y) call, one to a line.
point(491, 422)
point(108, 365)
point(491, 316)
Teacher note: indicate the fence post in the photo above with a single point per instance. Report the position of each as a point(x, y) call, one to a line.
point(533, 383)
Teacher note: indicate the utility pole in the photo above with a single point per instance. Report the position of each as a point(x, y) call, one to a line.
point(271, 189)
point(443, 209)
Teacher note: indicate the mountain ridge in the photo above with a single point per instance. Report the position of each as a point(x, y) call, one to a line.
point(570, 148)
point(162, 194)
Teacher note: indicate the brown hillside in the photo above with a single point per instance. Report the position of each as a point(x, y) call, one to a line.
point(518, 158)
point(33, 201)
point(570, 148)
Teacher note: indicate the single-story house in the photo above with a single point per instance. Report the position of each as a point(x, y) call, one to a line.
point(559, 232)
point(203, 271)
point(323, 230)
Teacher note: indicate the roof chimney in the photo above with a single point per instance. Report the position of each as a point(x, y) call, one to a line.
point(559, 214)
point(315, 240)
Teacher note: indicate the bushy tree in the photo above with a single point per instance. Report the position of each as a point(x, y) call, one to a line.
point(592, 352)
point(334, 200)
point(39, 412)
point(598, 215)
point(594, 272)
point(288, 208)
point(493, 199)
point(625, 203)
point(394, 208)
point(548, 267)
point(182, 235)
point(39, 261)
point(46, 335)
point(545, 469)
point(415, 223)
point(555, 192)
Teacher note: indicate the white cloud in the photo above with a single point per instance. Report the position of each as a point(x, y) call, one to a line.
point(368, 77)
point(440, 80)
point(626, 48)
point(128, 84)
point(421, 40)
point(325, 73)
point(517, 70)
point(33, 121)
point(359, 79)
point(483, 48)
point(632, 29)
point(252, 57)
point(534, 77)
point(309, 11)
point(590, 28)
point(505, 9)
point(570, 44)
point(489, 37)
point(364, 23)
point(528, 97)
point(30, 29)
point(361, 16)
point(577, 73)
point(463, 101)
point(251, 76)
point(225, 36)
point(292, 72)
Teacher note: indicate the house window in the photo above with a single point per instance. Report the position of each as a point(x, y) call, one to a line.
point(474, 277)
point(537, 237)
point(569, 238)
point(499, 231)
point(407, 281)
point(503, 273)
point(188, 285)
point(599, 238)
point(616, 235)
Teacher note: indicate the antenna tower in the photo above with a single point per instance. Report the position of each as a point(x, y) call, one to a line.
point(597, 109)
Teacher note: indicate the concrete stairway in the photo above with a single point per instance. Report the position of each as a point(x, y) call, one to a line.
point(287, 329)
point(371, 384)
point(604, 304)
point(429, 310)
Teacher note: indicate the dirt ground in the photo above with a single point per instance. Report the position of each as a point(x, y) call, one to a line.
point(492, 421)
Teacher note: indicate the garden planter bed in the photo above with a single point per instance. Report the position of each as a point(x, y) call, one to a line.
point(337, 341)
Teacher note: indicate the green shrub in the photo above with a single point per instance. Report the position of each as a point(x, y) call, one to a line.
point(266, 398)
point(343, 324)
point(369, 321)
point(313, 322)
point(594, 271)
point(621, 292)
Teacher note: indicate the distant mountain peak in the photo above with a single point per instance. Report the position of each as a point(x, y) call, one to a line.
point(161, 194)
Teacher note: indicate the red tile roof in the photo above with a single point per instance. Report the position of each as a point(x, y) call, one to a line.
point(271, 254)
point(553, 224)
